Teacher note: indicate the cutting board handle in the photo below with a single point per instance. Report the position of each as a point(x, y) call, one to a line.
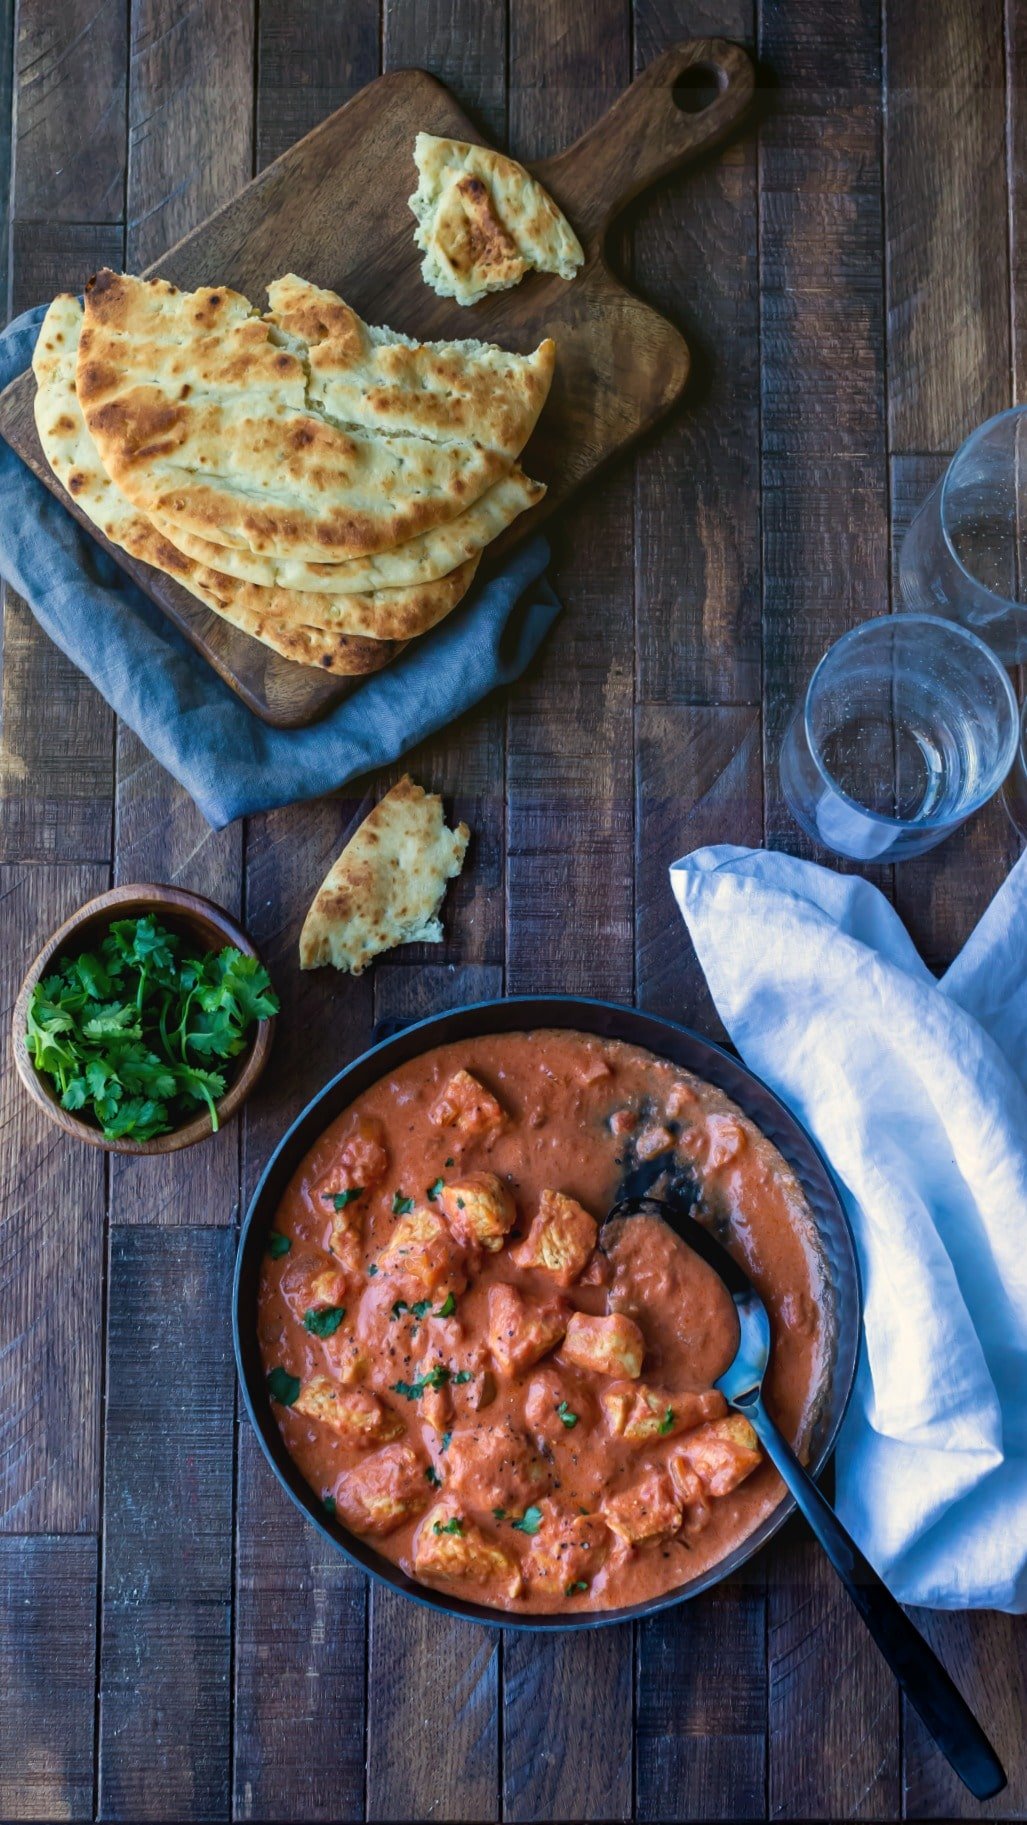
point(682, 104)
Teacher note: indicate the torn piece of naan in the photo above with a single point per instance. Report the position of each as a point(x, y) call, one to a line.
point(388, 884)
point(483, 221)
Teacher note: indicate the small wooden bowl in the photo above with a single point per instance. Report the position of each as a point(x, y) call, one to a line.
point(186, 913)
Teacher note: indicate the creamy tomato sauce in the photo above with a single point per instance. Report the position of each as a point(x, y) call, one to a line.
point(467, 1380)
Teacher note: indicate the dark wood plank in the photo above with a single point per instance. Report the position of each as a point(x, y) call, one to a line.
point(164, 1739)
point(461, 43)
point(414, 1656)
point(1016, 136)
point(946, 202)
point(697, 538)
point(987, 1655)
point(47, 1667)
point(299, 1672)
point(567, 1705)
point(312, 57)
point(291, 1757)
point(701, 1727)
point(7, 12)
point(52, 1199)
point(50, 257)
point(70, 69)
point(833, 1749)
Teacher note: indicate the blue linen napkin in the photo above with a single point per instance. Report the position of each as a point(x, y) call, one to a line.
point(917, 1092)
point(227, 759)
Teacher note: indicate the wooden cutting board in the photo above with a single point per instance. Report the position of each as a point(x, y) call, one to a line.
point(334, 209)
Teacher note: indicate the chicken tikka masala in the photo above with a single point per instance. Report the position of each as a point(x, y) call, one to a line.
point(466, 1379)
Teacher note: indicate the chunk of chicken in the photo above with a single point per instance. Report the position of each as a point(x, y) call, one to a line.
point(422, 1249)
point(357, 1417)
point(560, 1240)
point(696, 1508)
point(519, 1331)
point(722, 1454)
point(558, 1407)
point(466, 1106)
point(648, 1509)
point(682, 1102)
point(449, 1546)
point(653, 1139)
point(479, 1209)
point(613, 1345)
point(495, 1466)
point(363, 1160)
point(726, 1139)
point(568, 1549)
point(384, 1490)
point(640, 1413)
point(346, 1358)
point(326, 1287)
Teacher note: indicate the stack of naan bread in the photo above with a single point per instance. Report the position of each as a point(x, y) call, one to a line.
point(327, 486)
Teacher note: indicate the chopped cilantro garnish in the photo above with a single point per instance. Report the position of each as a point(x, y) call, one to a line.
point(283, 1387)
point(435, 1378)
point(326, 1322)
point(433, 1190)
point(460, 1204)
point(666, 1422)
point(432, 1476)
point(461, 1376)
point(421, 1309)
point(134, 1032)
point(568, 1418)
point(401, 1206)
point(399, 1308)
point(575, 1589)
point(447, 1308)
point(530, 1521)
point(453, 1526)
point(448, 1162)
point(499, 1514)
point(445, 1441)
point(372, 1270)
point(328, 1503)
point(341, 1198)
point(278, 1245)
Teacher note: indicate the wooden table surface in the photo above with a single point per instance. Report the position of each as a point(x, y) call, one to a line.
point(175, 1642)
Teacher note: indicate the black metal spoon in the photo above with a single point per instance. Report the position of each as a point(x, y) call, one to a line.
point(921, 1675)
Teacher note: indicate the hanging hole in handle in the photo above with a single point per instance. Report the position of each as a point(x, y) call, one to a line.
point(697, 88)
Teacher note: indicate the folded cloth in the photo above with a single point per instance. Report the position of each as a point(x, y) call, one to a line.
point(915, 1090)
point(227, 759)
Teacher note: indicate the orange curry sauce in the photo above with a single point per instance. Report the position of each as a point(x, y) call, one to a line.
point(467, 1381)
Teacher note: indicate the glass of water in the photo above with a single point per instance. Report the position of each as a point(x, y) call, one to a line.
point(908, 726)
point(965, 554)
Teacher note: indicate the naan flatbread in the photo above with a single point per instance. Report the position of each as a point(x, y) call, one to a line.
point(388, 884)
point(422, 560)
point(201, 412)
point(483, 221)
point(336, 634)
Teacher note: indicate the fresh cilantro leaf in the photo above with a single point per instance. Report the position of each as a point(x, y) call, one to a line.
point(326, 1322)
point(499, 1514)
point(412, 1390)
point(340, 1199)
point(445, 1441)
point(530, 1521)
point(278, 1245)
point(401, 1206)
point(328, 1503)
point(449, 1162)
point(372, 1269)
point(568, 1418)
point(283, 1387)
point(421, 1309)
point(433, 1190)
point(432, 1476)
point(666, 1422)
point(399, 1308)
point(453, 1526)
point(460, 1204)
point(447, 1308)
point(461, 1376)
point(575, 1589)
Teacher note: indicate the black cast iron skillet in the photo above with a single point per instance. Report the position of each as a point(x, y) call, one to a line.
point(842, 1315)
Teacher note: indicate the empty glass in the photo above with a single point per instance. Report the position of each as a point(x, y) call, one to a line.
point(965, 554)
point(908, 725)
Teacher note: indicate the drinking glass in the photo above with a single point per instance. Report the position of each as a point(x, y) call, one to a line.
point(908, 725)
point(965, 554)
point(1014, 792)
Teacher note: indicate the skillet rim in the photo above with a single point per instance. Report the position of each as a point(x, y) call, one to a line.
point(513, 1013)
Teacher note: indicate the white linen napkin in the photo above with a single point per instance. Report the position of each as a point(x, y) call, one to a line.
point(916, 1091)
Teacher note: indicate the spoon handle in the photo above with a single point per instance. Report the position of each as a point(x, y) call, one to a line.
point(919, 1672)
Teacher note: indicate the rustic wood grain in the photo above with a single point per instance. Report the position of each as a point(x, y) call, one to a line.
point(7, 10)
point(70, 71)
point(1016, 175)
point(701, 1725)
point(620, 367)
point(164, 1739)
point(311, 58)
point(946, 203)
point(51, 1241)
point(47, 1670)
point(987, 1655)
point(299, 1664)
point(568, 1725)
point(833, 1706)
point(51, 257)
